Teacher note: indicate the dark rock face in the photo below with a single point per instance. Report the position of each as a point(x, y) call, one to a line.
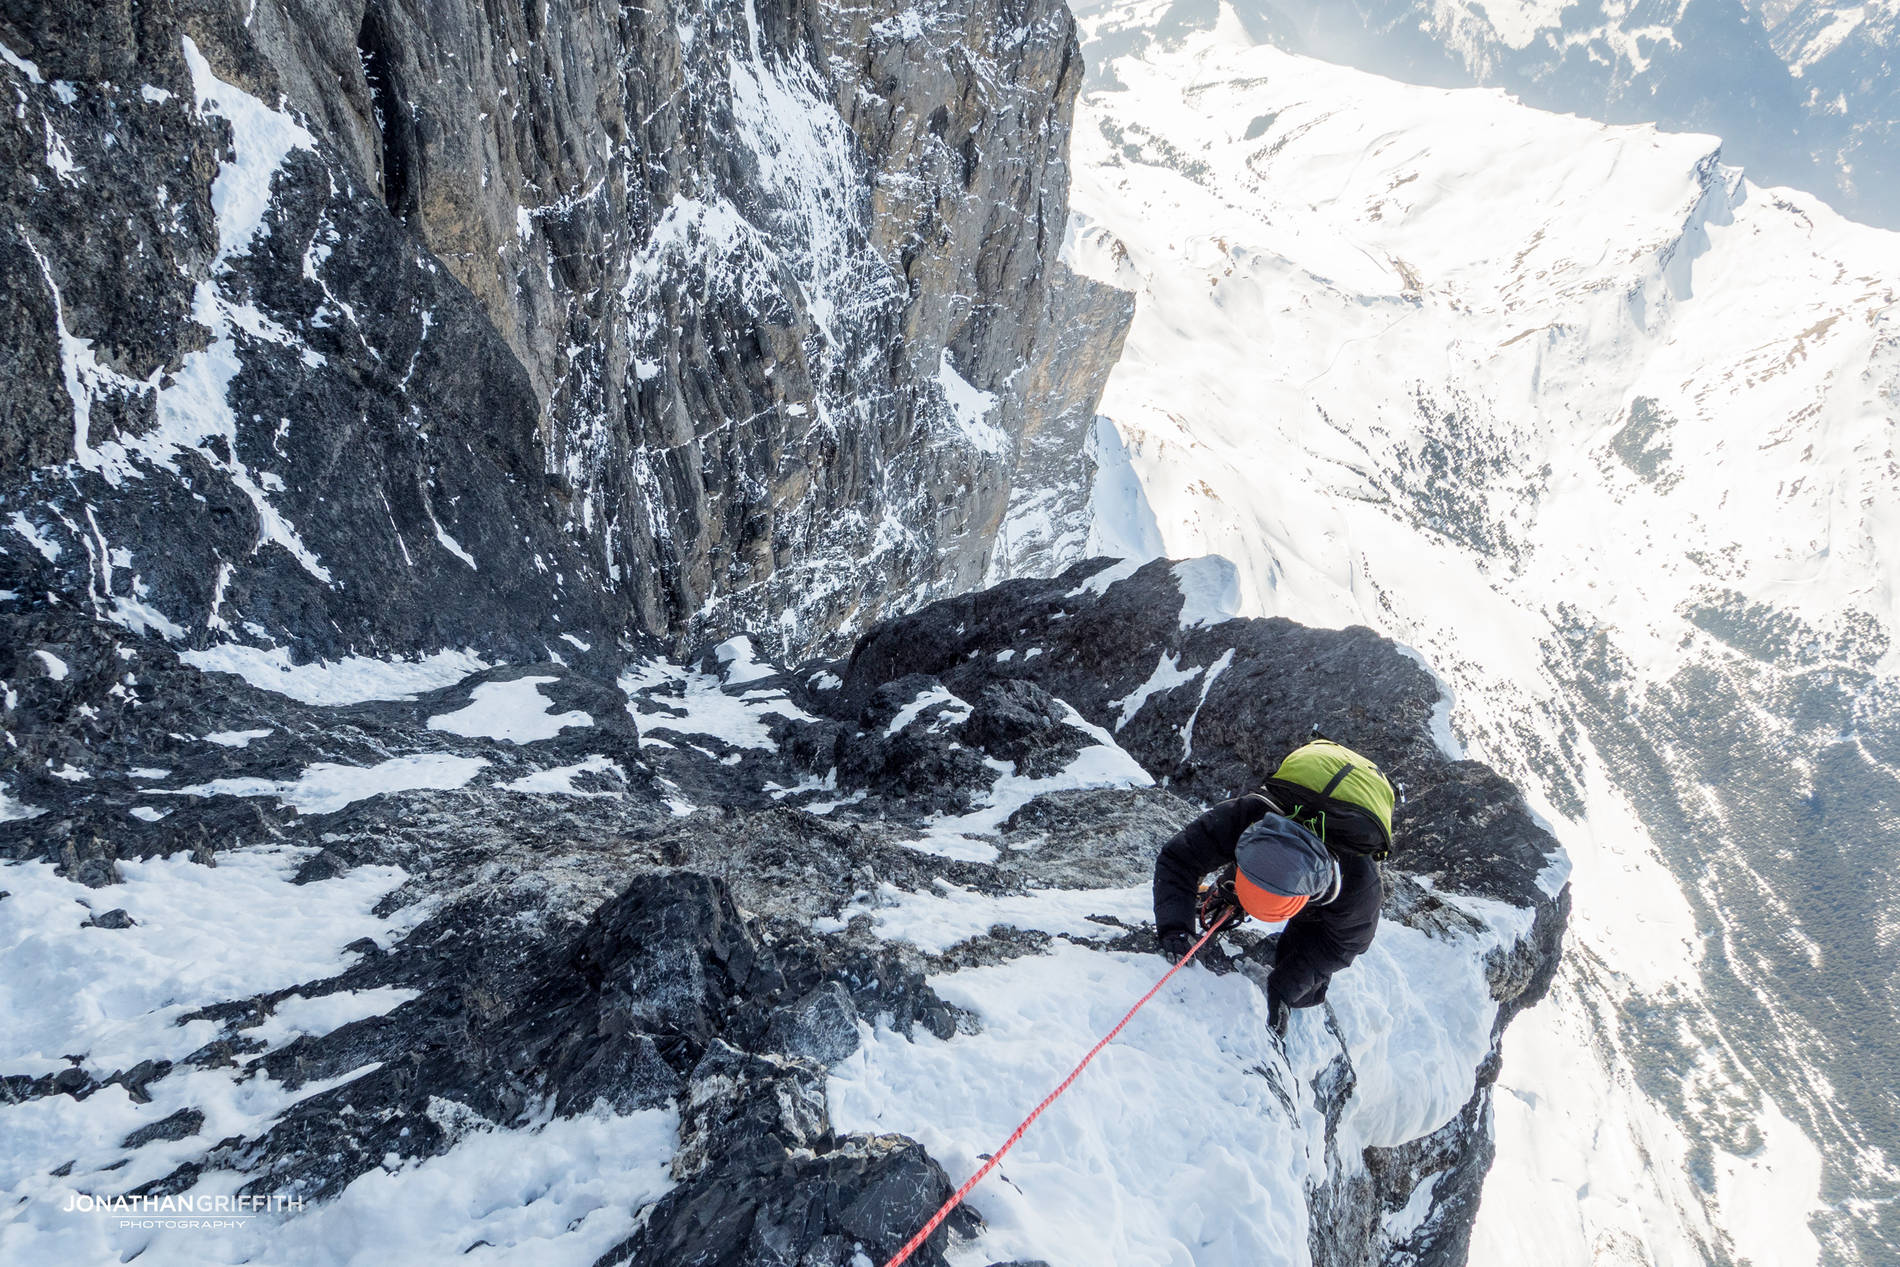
point(822, 1027)
point(762, 1206)
point(389, 327)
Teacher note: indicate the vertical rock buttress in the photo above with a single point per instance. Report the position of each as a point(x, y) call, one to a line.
point(563, 317)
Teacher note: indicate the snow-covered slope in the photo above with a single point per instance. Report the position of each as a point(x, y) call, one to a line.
point(1607, 433)
point(725, 965)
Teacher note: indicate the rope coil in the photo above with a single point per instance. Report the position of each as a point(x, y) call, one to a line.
point(956, 1198)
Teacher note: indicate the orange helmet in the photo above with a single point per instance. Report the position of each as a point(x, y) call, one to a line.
point(1263, 904)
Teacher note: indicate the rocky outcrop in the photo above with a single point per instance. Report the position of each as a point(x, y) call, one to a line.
point(665, 889)
point(385, 327)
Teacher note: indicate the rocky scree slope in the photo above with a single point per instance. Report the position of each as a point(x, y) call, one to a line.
point(385, 327)
point(713, 907)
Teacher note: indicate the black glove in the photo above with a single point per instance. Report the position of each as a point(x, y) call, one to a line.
point(1217, 899)
point(1279, 1015)
point(1175, 944)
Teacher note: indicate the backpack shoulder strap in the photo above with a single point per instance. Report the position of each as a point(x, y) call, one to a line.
point(1265, 803)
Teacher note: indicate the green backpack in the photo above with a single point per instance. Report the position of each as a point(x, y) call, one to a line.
point(1338, 795)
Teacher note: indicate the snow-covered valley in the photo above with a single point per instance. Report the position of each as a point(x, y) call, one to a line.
point(1607, 434)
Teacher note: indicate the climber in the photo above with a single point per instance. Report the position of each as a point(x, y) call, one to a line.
point(1304, 849)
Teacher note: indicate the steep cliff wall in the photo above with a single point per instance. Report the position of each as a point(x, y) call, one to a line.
point(402, 325)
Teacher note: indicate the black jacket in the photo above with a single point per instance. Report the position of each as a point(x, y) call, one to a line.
point(1317, 942)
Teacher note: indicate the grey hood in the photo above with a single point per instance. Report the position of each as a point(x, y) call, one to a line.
point(1283, 857)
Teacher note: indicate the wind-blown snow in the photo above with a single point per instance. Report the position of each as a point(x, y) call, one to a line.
point(514, 712)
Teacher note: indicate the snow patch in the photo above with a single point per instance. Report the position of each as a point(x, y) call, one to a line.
point(296, 1016)
point(351, 680)
point(1149, 1128)
point(935, 921)
point(938, 699)
point(325, 787)
point(663, 696)
point(967, 837)
point(1210, 590)
point(971, 409)
point(559, 781)
point(513, 712)
point(739, 662)
point(1166, 676)
point(12, 811)
point(116, 994)
point(48, 548)
point(29, 69)
point(1098, 584)
point(450, 544)
point(237, 738)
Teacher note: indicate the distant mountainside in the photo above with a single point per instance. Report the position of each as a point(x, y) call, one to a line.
point(1846, 60)
point(1606, 431)
point(1804, 95)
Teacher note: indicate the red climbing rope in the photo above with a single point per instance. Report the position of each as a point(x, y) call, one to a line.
point(923, 1233)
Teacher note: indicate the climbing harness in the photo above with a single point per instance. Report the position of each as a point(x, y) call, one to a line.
point(956, 1198)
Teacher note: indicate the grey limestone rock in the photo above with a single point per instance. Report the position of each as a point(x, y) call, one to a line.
point(572, 319)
